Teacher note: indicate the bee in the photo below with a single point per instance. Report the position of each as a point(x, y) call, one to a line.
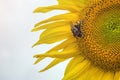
point(76, 29)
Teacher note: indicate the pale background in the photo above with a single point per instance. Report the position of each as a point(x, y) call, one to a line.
point(16, 54)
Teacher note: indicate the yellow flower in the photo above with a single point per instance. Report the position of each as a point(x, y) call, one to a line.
point(91, 33)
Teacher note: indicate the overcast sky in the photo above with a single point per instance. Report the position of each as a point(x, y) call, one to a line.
point(16, 54)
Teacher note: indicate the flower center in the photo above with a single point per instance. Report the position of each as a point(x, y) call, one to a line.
point(109, 24)
point(101, 32)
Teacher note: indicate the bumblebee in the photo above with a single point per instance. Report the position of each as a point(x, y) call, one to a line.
point(76, 29)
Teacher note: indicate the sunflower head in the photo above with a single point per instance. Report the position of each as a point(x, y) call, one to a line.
point(91, 33)
point(101, 34)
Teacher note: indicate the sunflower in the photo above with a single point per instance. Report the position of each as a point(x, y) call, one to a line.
point(90, 31)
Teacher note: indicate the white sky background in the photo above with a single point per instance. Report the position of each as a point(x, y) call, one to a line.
point(16, 54)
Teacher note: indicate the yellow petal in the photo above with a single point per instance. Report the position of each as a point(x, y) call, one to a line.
point(41, 58)
point(56, 7)
point(54, 54)
point(53, 63)
point(92, 73)
point(38, 60)
point(63, 44)
point(63, 29)
point(50, 25)
point(64, 17)
point(117, 76)
point(108, 76)
point(73, 4)
point(75, 61)
point(77, 70)
point(51, 38)
point(57, 48)
point(78, 4)
point(54, 35)
point(68, 2)
point(69, 51)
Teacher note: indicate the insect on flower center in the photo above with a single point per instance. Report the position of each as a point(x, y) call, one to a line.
point(101, 41)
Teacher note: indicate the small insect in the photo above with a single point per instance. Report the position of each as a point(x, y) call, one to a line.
point(76, 29)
